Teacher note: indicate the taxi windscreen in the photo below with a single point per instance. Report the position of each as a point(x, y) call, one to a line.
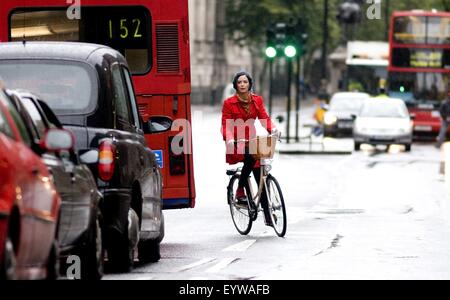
point(69, 88)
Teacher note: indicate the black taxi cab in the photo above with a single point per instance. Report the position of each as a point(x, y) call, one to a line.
point(89, 88)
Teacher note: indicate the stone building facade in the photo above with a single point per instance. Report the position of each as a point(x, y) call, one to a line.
point(214, 59)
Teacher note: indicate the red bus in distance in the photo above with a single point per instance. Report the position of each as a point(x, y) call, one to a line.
point(153, 35)
point(419, 65)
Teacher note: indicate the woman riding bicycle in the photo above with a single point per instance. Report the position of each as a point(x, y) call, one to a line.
point(239, 113)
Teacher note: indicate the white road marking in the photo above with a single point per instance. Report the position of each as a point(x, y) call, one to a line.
point(196, 264)
point(240, 247)
point(221, 264)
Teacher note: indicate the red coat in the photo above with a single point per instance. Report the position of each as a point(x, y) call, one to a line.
point(242, 125)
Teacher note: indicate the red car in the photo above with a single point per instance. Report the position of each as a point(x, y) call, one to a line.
point(29, 202)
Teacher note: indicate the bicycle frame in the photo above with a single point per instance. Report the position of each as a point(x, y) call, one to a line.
point(262, 183)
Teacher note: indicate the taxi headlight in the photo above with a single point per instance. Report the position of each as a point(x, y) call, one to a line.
point(330, 119)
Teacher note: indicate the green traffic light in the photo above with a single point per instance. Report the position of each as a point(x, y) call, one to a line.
point(402, 89)
point(290, 51)
point(271, 52)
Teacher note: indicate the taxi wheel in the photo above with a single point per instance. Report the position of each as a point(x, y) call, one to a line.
point(162, 230)
point(92, 254)
point(149, 251)
point(120, 254)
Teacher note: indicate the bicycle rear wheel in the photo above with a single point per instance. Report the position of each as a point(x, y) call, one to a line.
point(277, 208)
point(240, 215)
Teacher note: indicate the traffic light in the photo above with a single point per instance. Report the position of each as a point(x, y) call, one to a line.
point(302, 36)
point(282, 39)
point(271, 48)
point(291, 42)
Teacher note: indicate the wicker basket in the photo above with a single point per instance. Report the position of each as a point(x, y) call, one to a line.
point(263, 147)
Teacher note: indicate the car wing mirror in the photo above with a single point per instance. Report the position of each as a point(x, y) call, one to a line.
point(89, 157)
point(56, 139)
point(354, 117)
point(157, 124)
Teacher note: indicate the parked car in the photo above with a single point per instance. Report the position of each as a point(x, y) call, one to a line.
point(338, 119)
point(384, 121)
point(79, 231)
point(29, 202)
point(89, 88)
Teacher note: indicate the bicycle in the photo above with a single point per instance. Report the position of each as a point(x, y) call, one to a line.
point(244, 216)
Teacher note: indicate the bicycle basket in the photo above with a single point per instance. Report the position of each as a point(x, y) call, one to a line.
point(263, 147)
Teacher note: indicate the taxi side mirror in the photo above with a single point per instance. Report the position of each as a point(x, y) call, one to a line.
point(57, 140)
point(157, 124)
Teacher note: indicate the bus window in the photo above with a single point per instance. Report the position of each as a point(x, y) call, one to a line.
point(126, 29)
point(410, 30)
point(438, 30)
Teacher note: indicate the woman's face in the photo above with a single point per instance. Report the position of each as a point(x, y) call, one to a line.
point(243, 84)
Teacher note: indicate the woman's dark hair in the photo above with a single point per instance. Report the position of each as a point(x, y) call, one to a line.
point(239, 74)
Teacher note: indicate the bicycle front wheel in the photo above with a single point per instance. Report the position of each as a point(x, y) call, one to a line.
point(277, 209)
point(240, 215)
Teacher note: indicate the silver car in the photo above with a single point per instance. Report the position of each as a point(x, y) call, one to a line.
point(383, 121)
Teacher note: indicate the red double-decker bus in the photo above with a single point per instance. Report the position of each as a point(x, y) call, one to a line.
point(419, 66)
point(153, 35)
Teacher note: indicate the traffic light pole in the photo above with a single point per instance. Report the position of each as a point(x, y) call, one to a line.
point(270, 85)
point(288, 93)
point(297, 99)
